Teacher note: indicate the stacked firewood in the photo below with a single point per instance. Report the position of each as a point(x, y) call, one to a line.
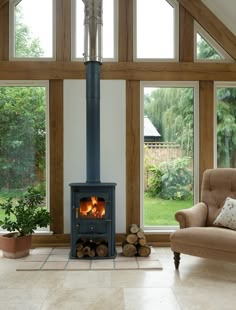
point(135, 243)
point(89, 248)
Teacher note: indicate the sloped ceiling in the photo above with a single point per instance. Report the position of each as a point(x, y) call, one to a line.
point(225, 11)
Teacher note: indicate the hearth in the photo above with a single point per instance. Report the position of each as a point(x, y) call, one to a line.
point(93, 202)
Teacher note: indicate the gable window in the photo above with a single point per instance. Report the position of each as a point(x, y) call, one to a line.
point(206, 48)
point(24, 138)
point(156, 30)
point(169, 151)
point(225, 125)
point(110, 28)
point(32, 29)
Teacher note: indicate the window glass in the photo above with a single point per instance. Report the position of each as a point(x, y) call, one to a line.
point(32, 29)
point(108, 29)
point(205, 50)
point(155, 29)
point(226, 126)
point(168, 153)
point(23, 132)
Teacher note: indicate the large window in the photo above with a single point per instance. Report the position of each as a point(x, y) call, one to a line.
point(225, 140)
point(169, 146)
point(156, 30)
point(110, 20)
point(32, 29)
point(23, 138)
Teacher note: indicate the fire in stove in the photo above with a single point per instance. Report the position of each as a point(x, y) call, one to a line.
point(92, 207)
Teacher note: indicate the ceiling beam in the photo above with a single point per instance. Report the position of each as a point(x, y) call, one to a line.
point(212, 24)
point(46, 70)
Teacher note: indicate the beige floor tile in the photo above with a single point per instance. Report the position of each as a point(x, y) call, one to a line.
point(152, 264)
point(150, 298)
point(126, 265)
point(102, 264)
point(36, 258)
point(61, 251)
point(41, 251)
point(78, 265)
point(54, 265)
point(58, 258)
point(29, 266)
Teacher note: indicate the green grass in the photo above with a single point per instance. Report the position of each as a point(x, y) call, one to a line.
point(160, 212)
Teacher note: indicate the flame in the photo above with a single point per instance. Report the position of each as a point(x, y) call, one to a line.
point(93, 208)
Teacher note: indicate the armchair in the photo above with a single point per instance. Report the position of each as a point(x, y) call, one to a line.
point(198, 235)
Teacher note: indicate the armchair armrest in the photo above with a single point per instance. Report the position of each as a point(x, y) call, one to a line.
point(194, 216)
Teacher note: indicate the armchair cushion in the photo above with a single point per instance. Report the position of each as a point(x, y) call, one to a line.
point(195, 216)
point(227, 215)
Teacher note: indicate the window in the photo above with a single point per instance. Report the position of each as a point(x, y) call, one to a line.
point(225, 133)
point(169, 148)
point(156, 30)
point(24, 137)
point(206, 48)
point(110, 28)
point(32, 29)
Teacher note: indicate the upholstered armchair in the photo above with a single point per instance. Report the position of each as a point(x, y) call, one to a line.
point(208, 229)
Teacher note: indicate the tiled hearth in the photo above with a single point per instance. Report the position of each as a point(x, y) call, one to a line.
point(58, 259)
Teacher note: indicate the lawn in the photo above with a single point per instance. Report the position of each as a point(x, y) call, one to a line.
point(161, 212)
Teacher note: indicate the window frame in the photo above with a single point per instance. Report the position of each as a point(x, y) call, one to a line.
point(208, 38)
point(45, 84)
point(12, 57)
point(169, 84)
point(73, 33)
point(175, 6)
point(217, 85)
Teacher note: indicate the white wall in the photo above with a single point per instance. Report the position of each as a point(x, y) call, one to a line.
point(112, 137)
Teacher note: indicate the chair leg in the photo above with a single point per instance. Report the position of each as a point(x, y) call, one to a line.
point(176, 260)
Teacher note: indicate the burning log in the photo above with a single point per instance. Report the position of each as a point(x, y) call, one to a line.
point(135, 243)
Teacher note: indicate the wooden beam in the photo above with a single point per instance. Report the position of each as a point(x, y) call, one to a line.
point(63, 30)
point(4, 30)
point(212, 24)
point(3, 3)
point(46, 70)
point(186, 36)
point(56, 155)
point(125, 45)
point(206, 127)
point(132, 152)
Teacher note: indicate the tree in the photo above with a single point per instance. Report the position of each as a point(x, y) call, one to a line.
point(22, 122)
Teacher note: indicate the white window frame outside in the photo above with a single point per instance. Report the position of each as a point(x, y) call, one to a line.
point(216, 86)
point(73, 33)
point(205, 35)
point(40, 83)
point(169, 84)
point(12, 5)
point(175, 6)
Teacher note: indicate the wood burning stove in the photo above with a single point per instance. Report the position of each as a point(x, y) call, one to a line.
point(93, 218)
point(93, 202)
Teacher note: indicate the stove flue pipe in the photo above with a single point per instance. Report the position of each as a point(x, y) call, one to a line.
point(93, 60)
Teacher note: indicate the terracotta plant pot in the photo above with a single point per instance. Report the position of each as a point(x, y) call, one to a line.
point(15, 247)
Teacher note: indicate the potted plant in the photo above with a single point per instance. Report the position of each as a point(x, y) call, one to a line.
point(22, 216)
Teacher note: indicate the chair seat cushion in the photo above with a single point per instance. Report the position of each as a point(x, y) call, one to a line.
point(215, 238)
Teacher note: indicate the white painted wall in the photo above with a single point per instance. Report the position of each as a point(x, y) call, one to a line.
point(113, 142)
point(225, 10)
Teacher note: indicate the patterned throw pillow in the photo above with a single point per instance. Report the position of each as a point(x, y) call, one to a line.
point(227, 216)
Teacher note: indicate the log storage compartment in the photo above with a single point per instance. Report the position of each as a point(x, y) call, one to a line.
point(93, 220)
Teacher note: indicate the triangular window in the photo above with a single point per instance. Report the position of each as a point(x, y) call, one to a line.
point(206, 48)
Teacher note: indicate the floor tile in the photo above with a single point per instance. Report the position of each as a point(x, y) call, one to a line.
point(58, 258)
point(78, 265)
point(55, 265)
point(102, 264)
point(29, 266)
point(149, 264)
point(36, 258)
point(126, 265)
